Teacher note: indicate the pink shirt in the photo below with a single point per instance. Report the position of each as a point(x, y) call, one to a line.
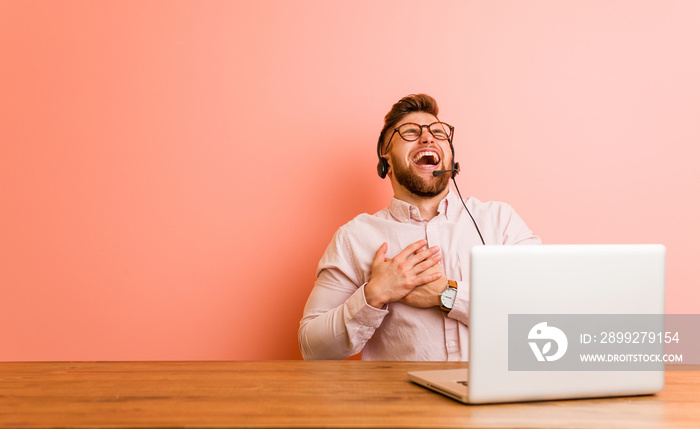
point(338, 322)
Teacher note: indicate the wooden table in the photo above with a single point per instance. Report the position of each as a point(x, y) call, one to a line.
point(298, 394)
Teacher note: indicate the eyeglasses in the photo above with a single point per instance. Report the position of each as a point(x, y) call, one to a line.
point(411, 131)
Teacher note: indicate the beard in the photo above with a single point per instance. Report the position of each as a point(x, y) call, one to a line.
point(418, 185)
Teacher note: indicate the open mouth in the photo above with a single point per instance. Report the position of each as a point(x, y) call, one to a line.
point(426, 158)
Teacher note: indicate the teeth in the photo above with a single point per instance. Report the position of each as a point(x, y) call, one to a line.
point(421, 155)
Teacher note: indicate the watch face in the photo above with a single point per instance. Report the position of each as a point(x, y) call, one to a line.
point(448, 297)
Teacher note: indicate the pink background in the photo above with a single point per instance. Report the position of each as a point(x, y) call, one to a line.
point(171, 171)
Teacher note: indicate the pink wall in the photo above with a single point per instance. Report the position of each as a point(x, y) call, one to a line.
point(171, 171)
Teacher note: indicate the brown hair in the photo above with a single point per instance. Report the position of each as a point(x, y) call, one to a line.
point(409, 104)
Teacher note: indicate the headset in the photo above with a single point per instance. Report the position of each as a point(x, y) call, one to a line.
point(383, 170)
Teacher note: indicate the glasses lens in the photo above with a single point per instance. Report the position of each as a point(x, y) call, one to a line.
point(410, 131)
point(440, 130)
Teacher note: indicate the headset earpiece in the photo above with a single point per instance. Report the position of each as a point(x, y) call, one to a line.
point(382, 167)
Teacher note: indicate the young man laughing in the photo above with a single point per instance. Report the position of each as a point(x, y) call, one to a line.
point(394, 285)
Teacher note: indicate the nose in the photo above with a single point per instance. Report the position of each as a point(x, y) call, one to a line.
point(425, 135)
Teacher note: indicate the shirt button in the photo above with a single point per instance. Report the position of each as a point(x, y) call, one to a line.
point(452, 344)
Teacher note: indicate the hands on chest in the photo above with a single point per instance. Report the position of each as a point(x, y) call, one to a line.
point(414, 277)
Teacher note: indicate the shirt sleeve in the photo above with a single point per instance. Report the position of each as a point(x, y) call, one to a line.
point(337, 321)
point(510, 230)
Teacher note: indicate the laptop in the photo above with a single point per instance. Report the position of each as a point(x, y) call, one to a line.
point(536, 309)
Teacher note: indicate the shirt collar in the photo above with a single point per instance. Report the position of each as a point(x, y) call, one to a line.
point(404, 212)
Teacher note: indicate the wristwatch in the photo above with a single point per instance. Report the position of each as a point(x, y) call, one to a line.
point(448, 296)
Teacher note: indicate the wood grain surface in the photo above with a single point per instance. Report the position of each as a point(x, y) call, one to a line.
point(299, 394)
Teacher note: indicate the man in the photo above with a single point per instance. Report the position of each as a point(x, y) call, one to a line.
point(394, 285)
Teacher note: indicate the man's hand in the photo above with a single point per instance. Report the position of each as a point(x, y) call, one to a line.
point(393, 279)
point(427, 295)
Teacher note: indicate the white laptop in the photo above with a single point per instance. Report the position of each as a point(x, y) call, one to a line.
point(536, 310)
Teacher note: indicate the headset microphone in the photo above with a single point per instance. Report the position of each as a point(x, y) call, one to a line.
point(454, 170)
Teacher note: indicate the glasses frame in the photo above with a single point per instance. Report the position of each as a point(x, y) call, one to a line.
point(449, 138)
